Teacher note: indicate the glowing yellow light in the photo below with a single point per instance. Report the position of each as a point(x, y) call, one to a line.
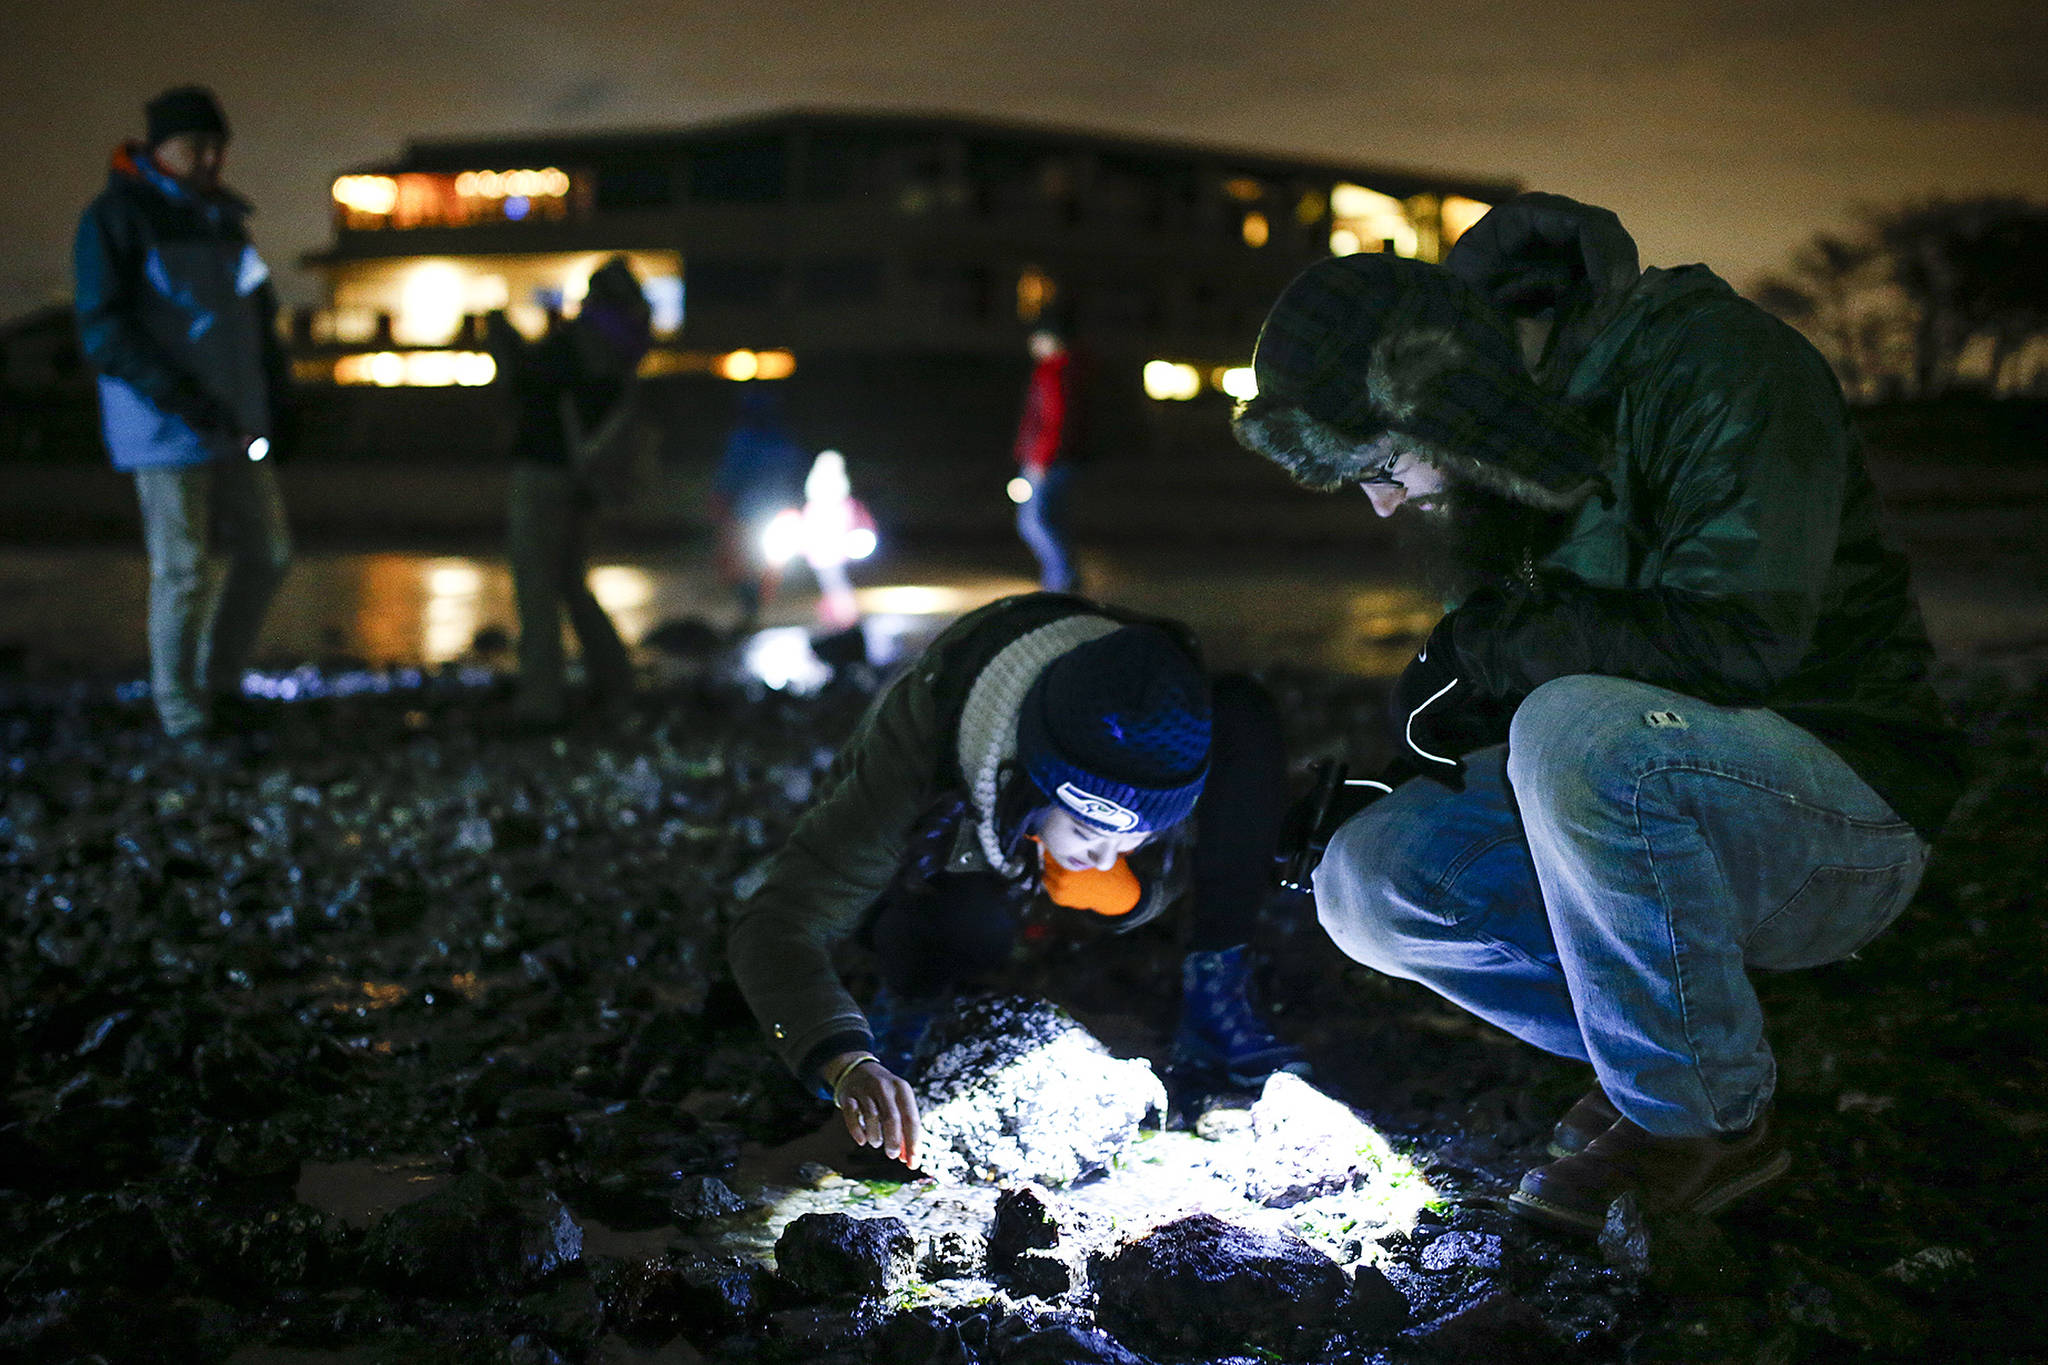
point(1035, 290)
point(453, 578)
point(367, 193)
point(741, 365)
point(1460, 214)
point(474, 369)
point(916, 599)
point(465, 184)
point(1372, 218)
point(621, 587)
point(1019, 490)
point(387, 369)
point(1238, 382)
point(1308, 210)
point(548, 183)
point(430, 304)
point(1256, 229)
point(1244, 189)
point(1170, 381)
point(1344, 242)
point(774, 365)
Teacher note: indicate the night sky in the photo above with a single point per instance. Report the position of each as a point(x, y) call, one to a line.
point(1720, 131)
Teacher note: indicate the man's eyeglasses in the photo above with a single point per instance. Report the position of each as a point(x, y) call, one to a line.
point(1381, 475)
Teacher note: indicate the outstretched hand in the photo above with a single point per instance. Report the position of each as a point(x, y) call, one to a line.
point(878, 1106)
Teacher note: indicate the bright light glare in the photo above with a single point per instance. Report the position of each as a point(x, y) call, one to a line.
point(387, 369)
point(1257, 231)
point(1019, 490)
point(1372, 218)
point(739, 365)
point(376, 194)
point(783, 538)
point(259, 447)
point(781, 658)
point(774, 364)
point(1239, 382)
point(1169, 381)
point(429, 304)
point(416, 369)
point(453, 578)
point(860, 543)
point(1344, 242)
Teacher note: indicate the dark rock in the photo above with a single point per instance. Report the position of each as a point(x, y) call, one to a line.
point(1842, 1304)
point(1023, 1219)
point(1625, 1236)
point(1041, 1273)
point(1190, 1284)
point(470, 1239)
point(1375, 1308)
point(921, 1336)
point(701, 1296)
point(1014, 1089)
point(1499, 1329)
point(953, 1254)
point(822, 1254)
point(1480, 1253)
point(1067, 1344)
point(701, 1197)
point(815, 1332)
point(108, 1244)
point(1679, 1253)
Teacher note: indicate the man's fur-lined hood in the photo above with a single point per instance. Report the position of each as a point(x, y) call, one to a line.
point(1359, 346)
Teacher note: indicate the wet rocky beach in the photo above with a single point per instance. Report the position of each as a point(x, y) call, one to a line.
point(380, 1032)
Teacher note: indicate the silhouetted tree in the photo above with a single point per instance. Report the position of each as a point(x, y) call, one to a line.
point(1895, 307)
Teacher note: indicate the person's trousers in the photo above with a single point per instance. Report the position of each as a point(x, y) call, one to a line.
point(546, 545)
point(218, 548)
point(1607, 880)
point(958, 930)
point(1042, 525)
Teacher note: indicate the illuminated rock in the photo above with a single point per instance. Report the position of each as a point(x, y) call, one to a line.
point(1016, 1090)
point(1303, 1143)
point(822, 1254)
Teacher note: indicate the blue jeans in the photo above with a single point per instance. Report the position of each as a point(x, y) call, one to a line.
point(218, 549)
point(1042, 523)
point(1608, 877)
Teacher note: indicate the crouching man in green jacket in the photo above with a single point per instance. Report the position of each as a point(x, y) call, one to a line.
point(1676, 725)
point(1044, 743)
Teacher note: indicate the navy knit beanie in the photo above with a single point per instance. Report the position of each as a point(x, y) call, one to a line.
point(1117, 731)
point(185, 109)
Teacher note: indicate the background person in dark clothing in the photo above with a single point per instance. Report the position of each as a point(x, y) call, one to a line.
point(1677, 724)
point(760, 473)
point(573, 394)
point(177, 314)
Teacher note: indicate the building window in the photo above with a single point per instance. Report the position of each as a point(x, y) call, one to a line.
point(628, 185)
point(842, 164)
point(743, 171)
point(734, 283)
point(840, 280)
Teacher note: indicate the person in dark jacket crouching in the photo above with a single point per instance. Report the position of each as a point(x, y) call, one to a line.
point(1044, 743)
point(1676, 726)
point(177, 314)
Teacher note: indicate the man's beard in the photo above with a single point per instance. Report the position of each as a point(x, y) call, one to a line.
point(1474, 536)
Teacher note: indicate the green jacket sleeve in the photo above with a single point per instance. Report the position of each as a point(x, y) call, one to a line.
point(1736, 450)
point(841, 856)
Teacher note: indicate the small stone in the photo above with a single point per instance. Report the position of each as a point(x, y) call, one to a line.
point(703, 1197)
point(1041, 1273)
point(1375, 1308)
point(822, 1254)
point(470, 1238)
point(953, 1254)
point(1479, 1252)
point(1023, 1220)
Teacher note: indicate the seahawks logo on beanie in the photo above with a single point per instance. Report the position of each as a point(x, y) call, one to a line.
point(1097, 810)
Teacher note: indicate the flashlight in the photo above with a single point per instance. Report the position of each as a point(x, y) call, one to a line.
point(259, 446)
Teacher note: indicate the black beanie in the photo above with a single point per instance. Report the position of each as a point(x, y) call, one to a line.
point(1117, 731)
point(185, 109)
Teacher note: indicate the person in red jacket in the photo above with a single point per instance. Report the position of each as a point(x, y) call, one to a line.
point(1044, 448)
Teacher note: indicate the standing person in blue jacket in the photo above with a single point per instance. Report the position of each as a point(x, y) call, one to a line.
point(176, 312)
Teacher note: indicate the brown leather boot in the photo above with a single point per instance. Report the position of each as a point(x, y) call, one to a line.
point(1669, 1175)
point(1593, 1115)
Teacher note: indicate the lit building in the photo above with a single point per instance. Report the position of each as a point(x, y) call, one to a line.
point(857, 251)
